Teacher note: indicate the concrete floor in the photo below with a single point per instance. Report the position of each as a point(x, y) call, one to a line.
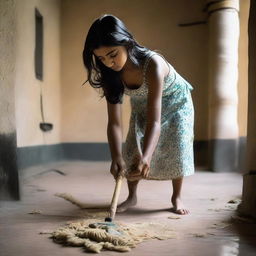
point(205, 194)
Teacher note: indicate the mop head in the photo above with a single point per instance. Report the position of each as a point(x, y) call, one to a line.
point(95, 236)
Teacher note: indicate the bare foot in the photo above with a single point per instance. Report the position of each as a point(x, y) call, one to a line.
point(127, 204)
point(178, 206)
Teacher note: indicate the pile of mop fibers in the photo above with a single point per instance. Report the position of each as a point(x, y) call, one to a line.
point(95, 236)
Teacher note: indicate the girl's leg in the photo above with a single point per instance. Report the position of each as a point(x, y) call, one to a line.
point(132, 197)
point(178, 206)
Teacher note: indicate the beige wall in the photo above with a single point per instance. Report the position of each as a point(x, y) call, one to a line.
point(27, 87)
point(155, 25)
point(78, 113)
point(243, 68)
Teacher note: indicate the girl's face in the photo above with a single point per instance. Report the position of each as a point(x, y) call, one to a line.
point(113, 57)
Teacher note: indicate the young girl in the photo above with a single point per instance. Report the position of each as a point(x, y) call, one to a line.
point(159, 144)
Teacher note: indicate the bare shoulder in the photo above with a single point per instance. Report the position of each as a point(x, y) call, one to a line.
point(157, 67)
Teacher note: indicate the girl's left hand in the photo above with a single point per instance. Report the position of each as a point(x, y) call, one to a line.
point(141, 168)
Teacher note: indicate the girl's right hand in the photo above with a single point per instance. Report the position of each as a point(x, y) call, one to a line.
point(118, 167)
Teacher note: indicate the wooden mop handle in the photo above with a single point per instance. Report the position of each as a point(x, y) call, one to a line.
point(115, 196)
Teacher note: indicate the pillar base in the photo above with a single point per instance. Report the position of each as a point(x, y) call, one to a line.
point(248, 206)
point(223, 155)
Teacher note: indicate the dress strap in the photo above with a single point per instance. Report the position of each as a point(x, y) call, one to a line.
point(147, 62)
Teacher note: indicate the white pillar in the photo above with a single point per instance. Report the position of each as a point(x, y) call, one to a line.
point(223, 25)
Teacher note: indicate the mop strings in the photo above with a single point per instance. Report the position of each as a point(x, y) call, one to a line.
point(95, 239)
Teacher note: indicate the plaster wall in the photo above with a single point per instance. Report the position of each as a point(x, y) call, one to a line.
point(7, 66)
point(27, 87)
point(9, 183)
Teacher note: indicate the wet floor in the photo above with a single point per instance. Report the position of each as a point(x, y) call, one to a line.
point(212, 228)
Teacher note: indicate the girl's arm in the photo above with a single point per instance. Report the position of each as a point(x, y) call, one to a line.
point(114, 133)
point(154, 77)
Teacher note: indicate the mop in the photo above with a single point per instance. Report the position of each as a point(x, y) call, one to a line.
point(99, 235)
point(107, 235)
point(108, 224)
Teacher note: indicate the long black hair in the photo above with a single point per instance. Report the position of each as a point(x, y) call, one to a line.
point(108, 30)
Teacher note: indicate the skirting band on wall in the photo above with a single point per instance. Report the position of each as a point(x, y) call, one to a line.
point(33, 155)
point(29, 156)
point(9, 180)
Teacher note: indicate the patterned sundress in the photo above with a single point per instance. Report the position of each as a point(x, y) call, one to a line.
point(173, 156)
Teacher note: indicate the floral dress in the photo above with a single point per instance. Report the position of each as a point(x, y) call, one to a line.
point(173, 156)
